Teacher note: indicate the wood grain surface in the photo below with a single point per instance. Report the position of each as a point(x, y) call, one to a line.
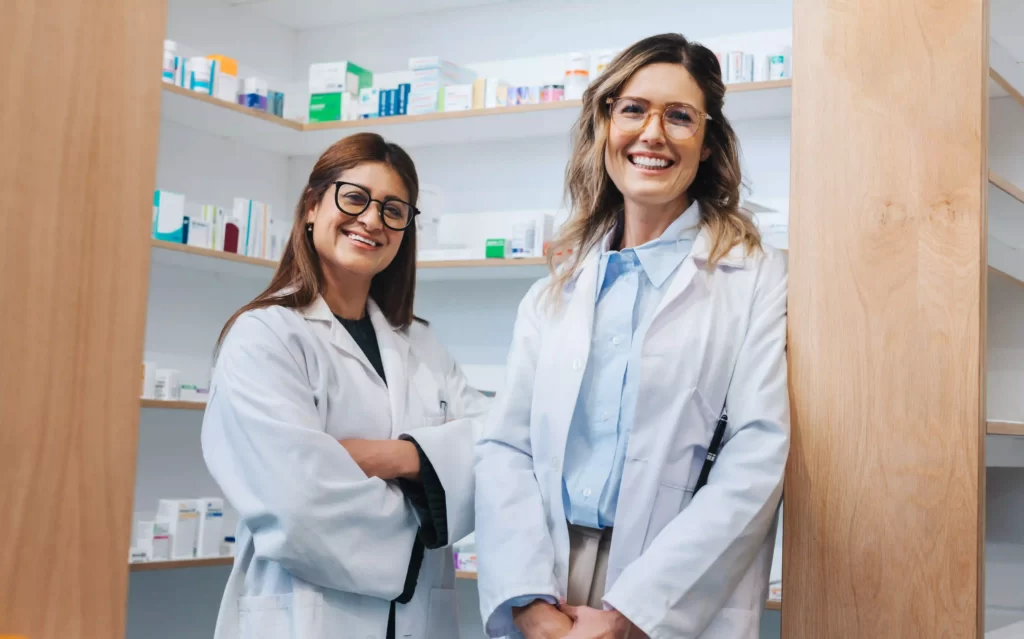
point(884, 490)
point(79, 122)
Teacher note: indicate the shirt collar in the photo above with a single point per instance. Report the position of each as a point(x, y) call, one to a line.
point(661, 257)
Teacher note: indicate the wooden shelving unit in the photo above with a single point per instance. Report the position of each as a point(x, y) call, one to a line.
point(147, 566)
point(237, 108)
point(168, 405)
point(270, 264)
point(1015, 429)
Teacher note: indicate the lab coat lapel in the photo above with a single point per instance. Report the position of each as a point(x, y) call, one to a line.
point(574, 335)
point(394, 354)
point(340, 338)
point(697, 259)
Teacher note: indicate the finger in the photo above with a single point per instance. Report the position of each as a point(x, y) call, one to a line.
point(571, 612)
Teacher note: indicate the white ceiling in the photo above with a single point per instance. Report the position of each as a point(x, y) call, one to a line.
point(311, 14)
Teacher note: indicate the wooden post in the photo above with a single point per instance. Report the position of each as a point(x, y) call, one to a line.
point(79, 121)
point(884, 515)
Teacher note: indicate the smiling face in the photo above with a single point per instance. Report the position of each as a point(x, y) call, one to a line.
point(358, 246)
point(652, 170)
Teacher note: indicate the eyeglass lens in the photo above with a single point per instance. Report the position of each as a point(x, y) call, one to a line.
point(353, 200)
point(681, 121)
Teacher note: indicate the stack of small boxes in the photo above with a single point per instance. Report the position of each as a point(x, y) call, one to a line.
point(334, 89)
point(439, 86)
point(182, 529)
point(248, 230)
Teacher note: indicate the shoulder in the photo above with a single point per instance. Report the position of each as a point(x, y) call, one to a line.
point(772, 267)
point(271, 328)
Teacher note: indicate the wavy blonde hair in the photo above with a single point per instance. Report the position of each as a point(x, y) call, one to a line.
point(595, 201)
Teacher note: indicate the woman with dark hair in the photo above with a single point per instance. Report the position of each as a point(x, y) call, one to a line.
point(338, 427)
point(599, 513)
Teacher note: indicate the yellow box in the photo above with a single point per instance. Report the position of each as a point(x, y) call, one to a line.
point(226, 65)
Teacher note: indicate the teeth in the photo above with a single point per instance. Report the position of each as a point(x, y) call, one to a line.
point(649, 163)
point(360, 238)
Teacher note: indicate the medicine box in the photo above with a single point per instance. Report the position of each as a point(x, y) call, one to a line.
point(369, 103)
point(325, 107)
point(338, 77)
point(211, 516)
point(496, 248)
point(168, 216)
point(458, 97)
point(182, 519)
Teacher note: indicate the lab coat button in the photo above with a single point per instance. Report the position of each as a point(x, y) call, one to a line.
point(554, 463)
point(616, 340)
point(576, 364)
point(586, 492)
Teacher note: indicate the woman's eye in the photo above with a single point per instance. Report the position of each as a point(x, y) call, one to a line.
point(679, 117)
point(355, 198)
point(632, 109)
point(393, 212)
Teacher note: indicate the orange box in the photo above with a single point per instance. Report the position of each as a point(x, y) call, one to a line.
point(226, 65)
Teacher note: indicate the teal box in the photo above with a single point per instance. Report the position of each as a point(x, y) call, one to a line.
point(169, 216)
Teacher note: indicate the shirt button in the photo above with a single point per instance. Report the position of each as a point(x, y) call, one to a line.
point(586, 492)
point(577, 364)
point(616, 340)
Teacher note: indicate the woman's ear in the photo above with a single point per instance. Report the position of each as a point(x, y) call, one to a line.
point(705, 153)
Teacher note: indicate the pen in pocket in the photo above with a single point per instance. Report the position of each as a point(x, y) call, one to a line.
point(444, 411)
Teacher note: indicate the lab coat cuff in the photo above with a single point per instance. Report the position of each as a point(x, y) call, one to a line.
point(428, 497)
point(627, 607)
point(500, 622)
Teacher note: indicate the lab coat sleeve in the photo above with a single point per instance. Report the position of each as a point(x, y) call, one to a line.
point(678, 585)
point(515, 552)
point(307, 503)
point(449, 447)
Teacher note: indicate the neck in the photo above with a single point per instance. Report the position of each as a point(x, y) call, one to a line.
point(643, 223)
point(346, 295)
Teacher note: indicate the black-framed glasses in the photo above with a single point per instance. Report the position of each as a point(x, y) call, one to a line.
point(679, 120)
point(352, 199)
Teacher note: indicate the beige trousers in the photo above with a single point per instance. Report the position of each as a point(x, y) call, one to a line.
point(588, 565)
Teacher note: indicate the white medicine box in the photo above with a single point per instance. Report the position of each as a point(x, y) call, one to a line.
point(182, 519)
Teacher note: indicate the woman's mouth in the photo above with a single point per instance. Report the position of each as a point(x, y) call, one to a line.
point(361, 241)
point(649, 162)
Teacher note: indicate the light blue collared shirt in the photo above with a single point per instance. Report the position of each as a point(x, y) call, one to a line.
point(631, 284)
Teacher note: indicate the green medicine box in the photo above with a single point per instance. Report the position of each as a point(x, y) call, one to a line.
point(496, 248)
point(325, 107)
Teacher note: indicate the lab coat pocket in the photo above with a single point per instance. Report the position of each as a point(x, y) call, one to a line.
point(443, 618)
point(294, 616)
point(669, 501)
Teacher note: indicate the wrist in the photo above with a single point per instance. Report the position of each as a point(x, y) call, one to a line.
point(407, 460)
point(527, 617)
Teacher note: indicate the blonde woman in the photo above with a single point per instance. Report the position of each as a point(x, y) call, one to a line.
point(668, 311)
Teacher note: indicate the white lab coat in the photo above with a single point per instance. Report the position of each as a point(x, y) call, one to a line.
point(680, 566)
point(321, 548)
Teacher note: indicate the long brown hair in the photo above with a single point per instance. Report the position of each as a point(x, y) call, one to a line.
point(594, 199)
point(299, 278)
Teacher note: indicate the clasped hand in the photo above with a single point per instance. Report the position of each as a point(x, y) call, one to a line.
point(386, 459)
point(541, 620)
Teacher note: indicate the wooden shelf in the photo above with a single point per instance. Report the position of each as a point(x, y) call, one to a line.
point(1006, 186)
point(746, 101)
point(168, 405)
point(191, 257)
point(237, 108)
point(1015, 429)
point(217, 255)
point(147, 566)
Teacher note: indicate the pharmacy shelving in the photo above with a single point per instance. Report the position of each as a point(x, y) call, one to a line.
point(172, 405)
point(148, 566)
point(1013, 429)
point(194, 258)
point(746, 101)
